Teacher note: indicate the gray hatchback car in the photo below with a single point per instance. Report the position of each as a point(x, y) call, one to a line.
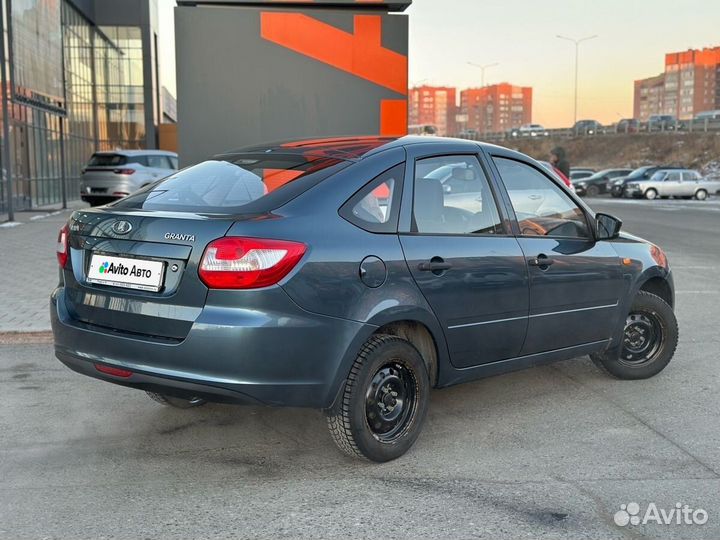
point(353, 275)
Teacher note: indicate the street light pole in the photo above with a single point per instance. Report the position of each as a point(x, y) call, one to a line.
point(482, 68)
point(577, 43)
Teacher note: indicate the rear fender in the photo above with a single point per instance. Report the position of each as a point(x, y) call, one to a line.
point(380, 319)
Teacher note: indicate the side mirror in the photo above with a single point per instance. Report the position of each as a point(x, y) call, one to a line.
point(607, 226)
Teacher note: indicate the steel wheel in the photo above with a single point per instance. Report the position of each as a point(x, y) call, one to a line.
point(642, 339)
point(390, 401)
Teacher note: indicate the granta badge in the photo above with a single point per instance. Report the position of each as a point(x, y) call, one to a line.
point(181, 237)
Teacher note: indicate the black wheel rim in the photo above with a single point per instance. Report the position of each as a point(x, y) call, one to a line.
point(642, 339)
point(391, 401)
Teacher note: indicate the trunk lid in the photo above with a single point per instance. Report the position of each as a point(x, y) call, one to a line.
point(174, 240)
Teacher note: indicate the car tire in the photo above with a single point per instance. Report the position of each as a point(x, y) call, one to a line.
point(701, 194)
point(649, 341)
point(388, 371)
point(177, 403)
point(592, 191)
point(651, 194)
point(616, 195)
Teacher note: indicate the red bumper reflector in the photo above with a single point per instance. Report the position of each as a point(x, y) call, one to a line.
point(115, 372)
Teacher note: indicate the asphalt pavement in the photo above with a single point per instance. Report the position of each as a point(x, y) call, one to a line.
point(551, 452)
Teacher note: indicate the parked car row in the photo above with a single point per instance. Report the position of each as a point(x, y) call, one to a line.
point(682, 183)
point(649, 182)
point(599, 183)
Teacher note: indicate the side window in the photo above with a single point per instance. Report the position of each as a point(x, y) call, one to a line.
point(673, 176)
point(542, 208)
point(452, 196)
point(173, 162)
point(689, 176)
point(375, 207)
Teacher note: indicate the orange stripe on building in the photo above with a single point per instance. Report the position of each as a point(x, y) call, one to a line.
point(360, 53)
point(393, 117)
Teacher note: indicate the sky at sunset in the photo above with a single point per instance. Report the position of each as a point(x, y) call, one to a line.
point(633, 36)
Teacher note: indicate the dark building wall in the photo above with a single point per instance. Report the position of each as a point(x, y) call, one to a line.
point(248, 74)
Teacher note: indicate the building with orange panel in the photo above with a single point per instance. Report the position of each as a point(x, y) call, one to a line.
point(433, 106)
point(496, 108)
point(689, 85)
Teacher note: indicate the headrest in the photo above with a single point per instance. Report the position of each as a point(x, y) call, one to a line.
point(462, 173)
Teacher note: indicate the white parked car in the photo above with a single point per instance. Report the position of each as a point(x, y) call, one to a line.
point(109, 176)
point(684, 183)
point(530, 130)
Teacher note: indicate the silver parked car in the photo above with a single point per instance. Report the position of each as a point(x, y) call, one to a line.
point(109, 176)
point(682, 183)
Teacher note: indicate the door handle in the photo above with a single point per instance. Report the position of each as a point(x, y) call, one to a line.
point(434, 266)
point(540, 261)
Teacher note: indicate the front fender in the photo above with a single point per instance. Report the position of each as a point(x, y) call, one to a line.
point(638, 281)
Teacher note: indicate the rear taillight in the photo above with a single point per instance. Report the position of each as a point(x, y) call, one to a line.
point(124, 171)
point(120, 193)
point(248, 263)
point(62, 249)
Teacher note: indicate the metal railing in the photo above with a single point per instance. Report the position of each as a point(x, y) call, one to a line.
point(707, 125)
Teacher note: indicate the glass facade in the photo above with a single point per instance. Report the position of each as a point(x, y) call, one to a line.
point(120, 89)
point(99, 105)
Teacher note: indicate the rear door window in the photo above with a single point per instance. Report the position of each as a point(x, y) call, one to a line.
point(226, 186)
point(452, 195)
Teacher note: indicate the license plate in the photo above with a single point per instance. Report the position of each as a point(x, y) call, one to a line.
point(126, 272)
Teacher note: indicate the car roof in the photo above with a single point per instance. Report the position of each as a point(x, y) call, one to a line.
point(134, 153)
point(353, 148)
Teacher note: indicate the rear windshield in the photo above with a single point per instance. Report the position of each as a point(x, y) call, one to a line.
point(114, 160)
point(229, 186)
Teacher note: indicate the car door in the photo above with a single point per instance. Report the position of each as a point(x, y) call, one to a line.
point(690, 181)
point(672, 185)
point(575, 282)
point(462, 255)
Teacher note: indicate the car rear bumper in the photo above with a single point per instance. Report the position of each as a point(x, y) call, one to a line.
point(294, 358)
